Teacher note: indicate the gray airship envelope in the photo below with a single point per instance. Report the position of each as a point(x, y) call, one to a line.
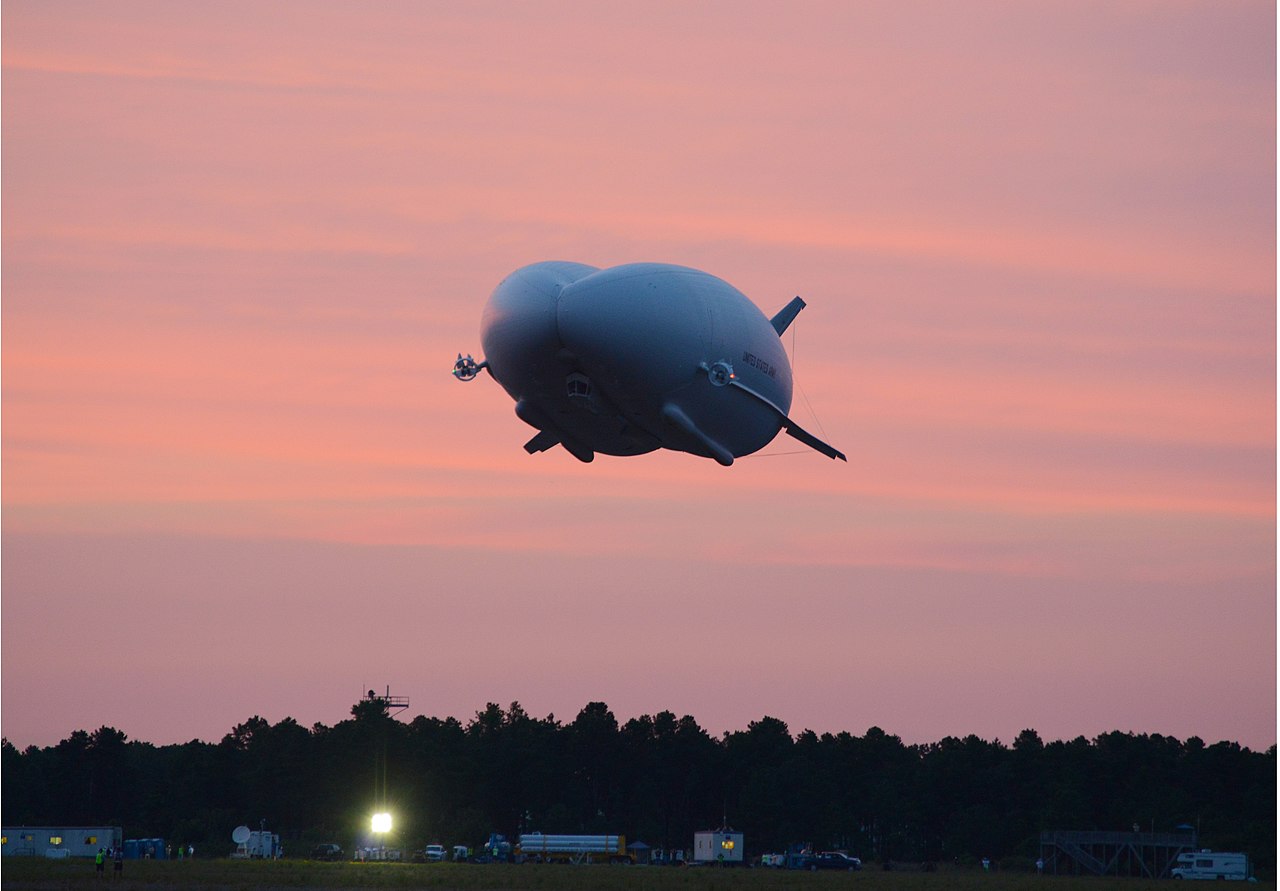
point(634, 358)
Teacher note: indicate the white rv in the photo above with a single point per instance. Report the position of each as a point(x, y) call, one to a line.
point(1211, 865)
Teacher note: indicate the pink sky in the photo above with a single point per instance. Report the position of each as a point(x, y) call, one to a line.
point(242, 244)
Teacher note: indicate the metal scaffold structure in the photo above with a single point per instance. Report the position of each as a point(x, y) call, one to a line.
point(1148, 854)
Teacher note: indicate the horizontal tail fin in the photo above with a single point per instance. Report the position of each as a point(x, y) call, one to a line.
point(542, 442)
point(793, 429)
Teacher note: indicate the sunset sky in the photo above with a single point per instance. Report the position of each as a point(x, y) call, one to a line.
point(243, 243)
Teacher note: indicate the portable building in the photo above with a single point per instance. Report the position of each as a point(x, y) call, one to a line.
point(717, 846)
point(77, 841)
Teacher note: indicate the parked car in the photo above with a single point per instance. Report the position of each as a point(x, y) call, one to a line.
point(326, 852)
point(836, 860)
point(433, 853)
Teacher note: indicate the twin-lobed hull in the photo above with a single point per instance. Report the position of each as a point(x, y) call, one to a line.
point(634, 358)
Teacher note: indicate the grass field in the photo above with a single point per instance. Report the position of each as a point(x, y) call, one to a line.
point(36, 873)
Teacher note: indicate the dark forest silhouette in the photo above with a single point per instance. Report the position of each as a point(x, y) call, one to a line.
point(655, 778)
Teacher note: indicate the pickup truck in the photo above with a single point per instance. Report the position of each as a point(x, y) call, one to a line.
point(836, 860)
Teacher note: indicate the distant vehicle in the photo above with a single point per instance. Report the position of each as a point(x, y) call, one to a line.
point(433, 853)
point(1211, 865)
point(799, 856)
point(377, 853)
point(461, 853)
point(836, 860)
point(326, 852)
point(777, 861)
point(496, 850)
point(255, 844)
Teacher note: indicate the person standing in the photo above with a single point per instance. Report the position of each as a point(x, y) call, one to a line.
point(117, 865)
point(97, 864)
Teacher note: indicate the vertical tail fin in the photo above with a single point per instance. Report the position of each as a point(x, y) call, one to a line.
point(786, 315)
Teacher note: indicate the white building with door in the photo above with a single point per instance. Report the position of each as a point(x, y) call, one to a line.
point(58, 841)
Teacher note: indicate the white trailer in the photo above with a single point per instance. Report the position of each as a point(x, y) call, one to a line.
point(52, 841)
point(717, 846)
point(1211, 865)
point(572, 848)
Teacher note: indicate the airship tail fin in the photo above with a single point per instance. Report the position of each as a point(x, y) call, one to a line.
point(542, 442)
point(795, 430)
point(549, 434)
point(787, 315)
point(546, 440)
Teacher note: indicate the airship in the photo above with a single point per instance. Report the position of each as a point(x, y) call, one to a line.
point(633, 358)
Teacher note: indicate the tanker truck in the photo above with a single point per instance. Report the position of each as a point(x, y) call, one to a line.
point(538, 848)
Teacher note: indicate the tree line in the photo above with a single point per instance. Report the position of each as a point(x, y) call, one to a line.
point(655, 778)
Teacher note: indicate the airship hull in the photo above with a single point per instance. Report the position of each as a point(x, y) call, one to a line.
point(633, 358)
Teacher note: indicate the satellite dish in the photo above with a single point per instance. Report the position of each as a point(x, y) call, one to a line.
point(240, 834)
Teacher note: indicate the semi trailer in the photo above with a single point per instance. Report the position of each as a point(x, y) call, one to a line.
point(538, 848)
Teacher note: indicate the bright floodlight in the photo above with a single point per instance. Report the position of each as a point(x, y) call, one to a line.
point(381, 823)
